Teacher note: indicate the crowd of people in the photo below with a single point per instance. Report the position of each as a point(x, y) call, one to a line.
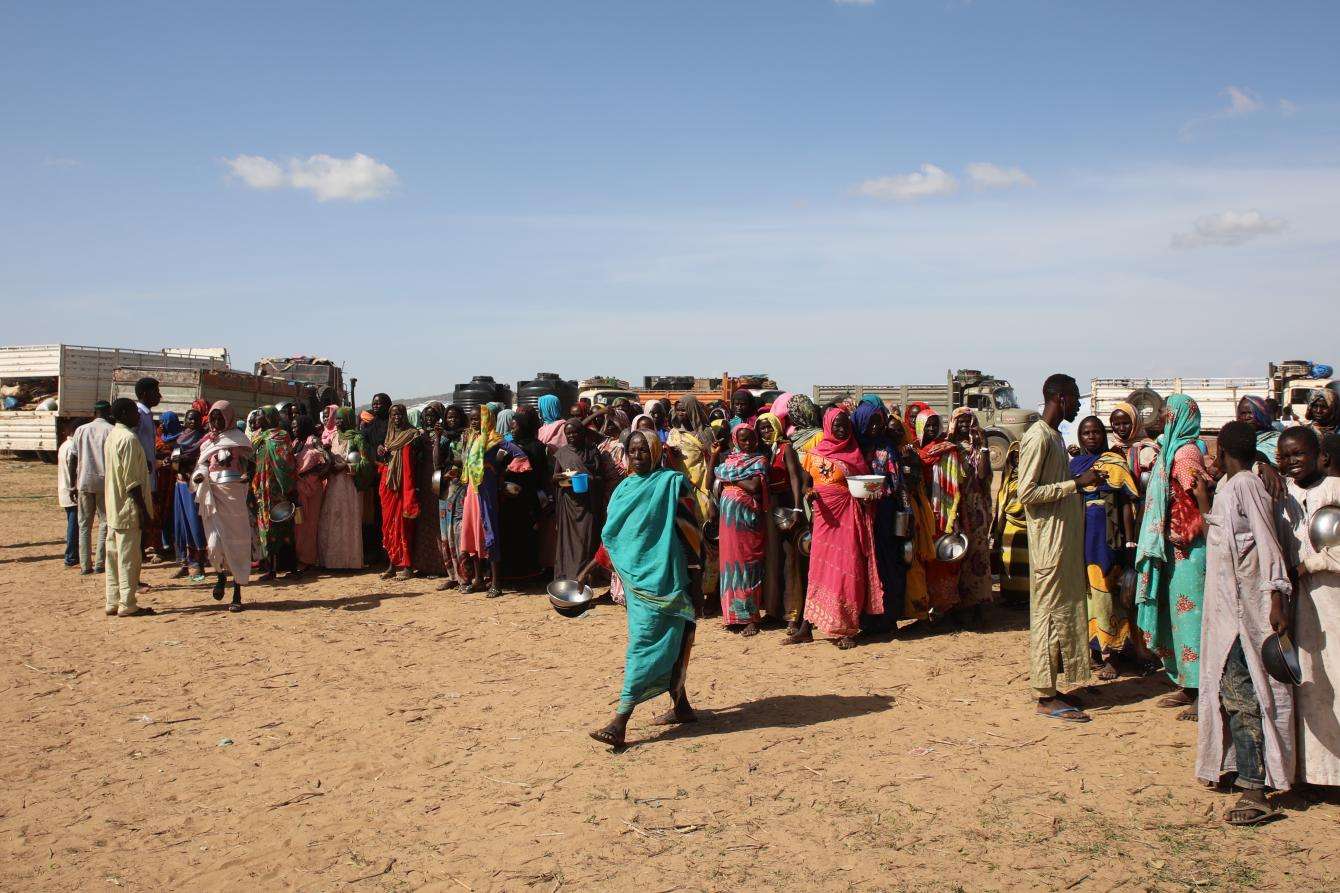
point(1137, 551)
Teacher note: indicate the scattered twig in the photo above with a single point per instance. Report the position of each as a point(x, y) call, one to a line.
point(367, 877)
point(306, 795)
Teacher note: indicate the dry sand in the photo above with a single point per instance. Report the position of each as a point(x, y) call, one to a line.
point(387, 736)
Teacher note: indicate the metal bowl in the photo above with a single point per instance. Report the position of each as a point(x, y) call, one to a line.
point(228, 477)
point(512, 488)
point(785, 518)
point(353, 457)
point(806, 541)
point(1324, 528)
point(440, 482)
point(865, 486)
point(909, 552)
point(1281, 660)
point(902, 522)
point(951, 548)
point(569, 597)
point(282, 511)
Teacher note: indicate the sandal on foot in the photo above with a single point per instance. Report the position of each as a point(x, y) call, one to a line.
point(1068, 714)
point(605, 736)
point(1249, 812)
point(494, 592)
point(138, 612)
point(217, 593)
point(235, 607)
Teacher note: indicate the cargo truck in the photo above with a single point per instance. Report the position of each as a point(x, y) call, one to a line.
point(1292, 383)
point(50, 389)
point(991, 398)
point(244, 391)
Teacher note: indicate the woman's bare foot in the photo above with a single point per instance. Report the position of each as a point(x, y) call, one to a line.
point(389, 572)
point(802, 635)
point(845, 643)
point(1188, 715)
point(1179, 698)
point(792, 628)
point(676, 715)
point(1106, 671)
point(750, 629)
point(613, 732)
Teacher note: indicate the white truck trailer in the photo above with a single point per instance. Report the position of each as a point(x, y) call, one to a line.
point(68, 379)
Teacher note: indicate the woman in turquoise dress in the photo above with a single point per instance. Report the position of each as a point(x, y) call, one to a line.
point(651, 539)
point(1170, 559)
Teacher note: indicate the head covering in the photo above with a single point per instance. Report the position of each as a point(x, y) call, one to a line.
point(486, 439)
point(923, 421)
point(502, 425)
point(861, 419)
point(224, 408)
point(171, 426)
point(653, 442)
point(872, 400)
point(550, 409)
point(398, 436)
point(527, 425)
point(781, 407)
point(804, 416)
point(1261, 416)
point(775, 430)
point(846, 451)
point(1137, 429)
point(200, 405)
point(1181, 426)
point(1267, 437)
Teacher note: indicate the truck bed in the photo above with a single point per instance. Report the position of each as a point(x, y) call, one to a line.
point(937, 396)
point(1217, 397)
point(181, 388)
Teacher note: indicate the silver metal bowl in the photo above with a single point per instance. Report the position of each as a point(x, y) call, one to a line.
point(909, 552)
point(567, 595)
point(785, 518)
point(512, 488)
point(440, 482)
point(951, 547)
point(228, 477)
point(806, 541)
point(353, 457)
point(1324, 528)
point(282, 511)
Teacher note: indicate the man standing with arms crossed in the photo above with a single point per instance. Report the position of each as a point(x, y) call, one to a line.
point(86, 470)
point(1059, 630)
point(127, 485)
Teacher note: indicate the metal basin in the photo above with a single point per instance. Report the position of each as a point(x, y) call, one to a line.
point(785, 518)
point(228, 477)
point(281, 512)
point(1324, 528)
point(568, 597)
point(1281, 660)
point(806, 540)
point(951, 547)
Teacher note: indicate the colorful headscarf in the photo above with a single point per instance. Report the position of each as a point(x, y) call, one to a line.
point(1267, 436)
point(847, 451)
point(1137, 428)
point(804, 417)
point(486, 439)
point(775, 428)
point(224, 408)
point(653, 443)
point(171, 426)
point(1181, 427)
point(944, 464)
point(550, 408)
point(200, 405)
point(503, 423)
point(397, 438)
point(872, 400)
point(865, 413)
point(915, 417)
point(781, 407)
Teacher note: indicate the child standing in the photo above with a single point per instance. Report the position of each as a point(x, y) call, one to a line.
point(1246, 717)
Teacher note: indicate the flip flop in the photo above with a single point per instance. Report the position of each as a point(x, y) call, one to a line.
point(604, 737)
point(138, 612)
point(1068, 714)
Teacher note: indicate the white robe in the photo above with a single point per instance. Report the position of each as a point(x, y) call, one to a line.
point(1243, 566)
point(1317, 635)
point(223, 508)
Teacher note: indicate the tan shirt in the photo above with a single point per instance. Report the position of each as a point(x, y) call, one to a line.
point(126, 470)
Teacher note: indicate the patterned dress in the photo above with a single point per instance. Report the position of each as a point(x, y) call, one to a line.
point(743, 539)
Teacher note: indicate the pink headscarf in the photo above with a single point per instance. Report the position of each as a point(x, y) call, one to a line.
point(848, 451)
point(329, 431)
point(781, 407)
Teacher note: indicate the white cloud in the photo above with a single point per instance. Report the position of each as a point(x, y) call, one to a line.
point(57, 161)
point(256, 171)
point(1288, 108)
point(986, 175)
point(929, 181)
point(1242, 102)
point(854, 2)
point(356, 178)
point(1228, 229)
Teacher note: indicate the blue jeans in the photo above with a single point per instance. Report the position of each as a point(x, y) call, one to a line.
point(1238, 698)
point(72, 536)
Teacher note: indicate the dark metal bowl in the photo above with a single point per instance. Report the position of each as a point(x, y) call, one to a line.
point(1281, 659)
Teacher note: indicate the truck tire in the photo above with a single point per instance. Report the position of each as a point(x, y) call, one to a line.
point(999, 445)
point(1147, 402)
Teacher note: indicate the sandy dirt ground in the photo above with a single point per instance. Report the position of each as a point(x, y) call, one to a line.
point(351, 732)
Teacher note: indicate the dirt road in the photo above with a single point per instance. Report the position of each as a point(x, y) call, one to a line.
point(351, 731)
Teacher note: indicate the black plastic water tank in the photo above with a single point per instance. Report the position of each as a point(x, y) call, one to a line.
point(528, 393)
point(478, 390)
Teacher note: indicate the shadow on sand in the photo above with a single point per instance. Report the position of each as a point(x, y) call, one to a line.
point(775, 712)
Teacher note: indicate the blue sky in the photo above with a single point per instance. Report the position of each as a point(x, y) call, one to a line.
point(826, 191)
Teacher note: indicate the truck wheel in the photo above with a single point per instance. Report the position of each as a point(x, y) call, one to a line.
point(999, 445)
point(1148, 403)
